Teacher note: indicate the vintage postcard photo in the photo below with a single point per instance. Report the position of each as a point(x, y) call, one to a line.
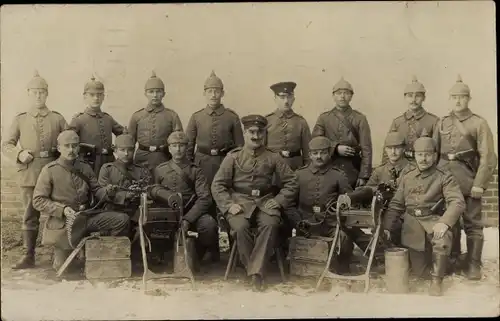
point(249, 160)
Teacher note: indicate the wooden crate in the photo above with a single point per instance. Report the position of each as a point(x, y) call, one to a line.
point(108, 257)
point(308, 257)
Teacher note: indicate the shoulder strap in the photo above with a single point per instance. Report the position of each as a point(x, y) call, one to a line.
point(347, 124)
point(463, 131)
point(181, 173)
point(84, 177)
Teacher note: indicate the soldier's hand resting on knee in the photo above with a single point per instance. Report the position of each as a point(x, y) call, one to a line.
point(439, 229)
point(235, 209)
point(271, 204)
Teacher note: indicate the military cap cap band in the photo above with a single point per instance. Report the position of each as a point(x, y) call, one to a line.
point(286, 87)
point(254, 120)
point(67, 137)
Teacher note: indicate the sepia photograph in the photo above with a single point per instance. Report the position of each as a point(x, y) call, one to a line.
point(249, 160)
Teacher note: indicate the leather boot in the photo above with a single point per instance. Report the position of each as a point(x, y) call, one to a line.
point(257, 283)
point(60, 256)
point(28, 260)
point(475, 251)
point(439, 262)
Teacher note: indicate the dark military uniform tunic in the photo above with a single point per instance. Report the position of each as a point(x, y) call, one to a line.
point(451, 142)
point(417, 193)
point(37, 131)
point(288, 134)
point(410, 125)
point(120, 174)
point(389, 173)
point(213, 133)
point(194, 184)
point(245, 178)
point(57, 187)
point(332, 127)
point(150, 127)
point(96, 127)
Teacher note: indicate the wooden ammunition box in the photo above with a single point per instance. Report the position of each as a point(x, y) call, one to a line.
point(107, 258)
point(308, 257)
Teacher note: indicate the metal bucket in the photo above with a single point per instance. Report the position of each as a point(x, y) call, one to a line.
point(397, 270)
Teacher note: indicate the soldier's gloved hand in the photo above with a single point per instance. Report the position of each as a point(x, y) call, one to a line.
point(69, 212)
point(439, 229)
point(25, 156)
point(185, 226)
point(476, 192)
point(345, 150)
point(360, 182)
point(271, 204)
point(235, 209)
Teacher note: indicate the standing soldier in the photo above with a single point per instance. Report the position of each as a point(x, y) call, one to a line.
point(414, 120)
point(242, 189)
point(467, 151)
point(430, 202)
point(36, 132)
point(95, 127)
point(152, 125)
point(213, 130)
point(287, 132)
point(349, 131)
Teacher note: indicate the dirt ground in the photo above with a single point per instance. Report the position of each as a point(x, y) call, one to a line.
point(37, 295)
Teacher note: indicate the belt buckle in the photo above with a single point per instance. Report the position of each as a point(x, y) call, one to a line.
point(285, 153)
point(214, 152)
point(418, 212)
point(104, 151)
point(44, 154)
point(316, 209)
point(255, 192)
point(451, 156)
point(152, 148)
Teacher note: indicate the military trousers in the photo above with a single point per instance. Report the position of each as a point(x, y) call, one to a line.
point(31, 217)
point(111, 223)
point(472, 218)
point(255, 248)
point(207, 228)
point(421, 261)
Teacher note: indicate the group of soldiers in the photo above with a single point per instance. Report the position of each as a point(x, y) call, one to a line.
point(265, 175)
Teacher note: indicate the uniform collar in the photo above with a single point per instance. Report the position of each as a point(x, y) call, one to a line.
point(462, 115)
point(254, 152)
point(67, 164)
point(427, 172)
point(129, 166)
point(44, 111)
point(217, 111)
point(154, 108)
point(347, 110)
point(321, 170)
point(400, 164)
point(284, 113)
point(417, 114)
point(93, 112)
point(182, 164)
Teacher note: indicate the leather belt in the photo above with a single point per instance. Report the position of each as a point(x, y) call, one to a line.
point(211, 152)
point(290, 154)
point(312, 209)
point(152, 148)
point(255, 192)
point(44, 154)
point(420, 212)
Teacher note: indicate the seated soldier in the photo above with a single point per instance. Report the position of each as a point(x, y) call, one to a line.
point(242, 189)
point(319, 183)
point(389, 174)
point(179, 175)
point(64, 188)
point(418, 198)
